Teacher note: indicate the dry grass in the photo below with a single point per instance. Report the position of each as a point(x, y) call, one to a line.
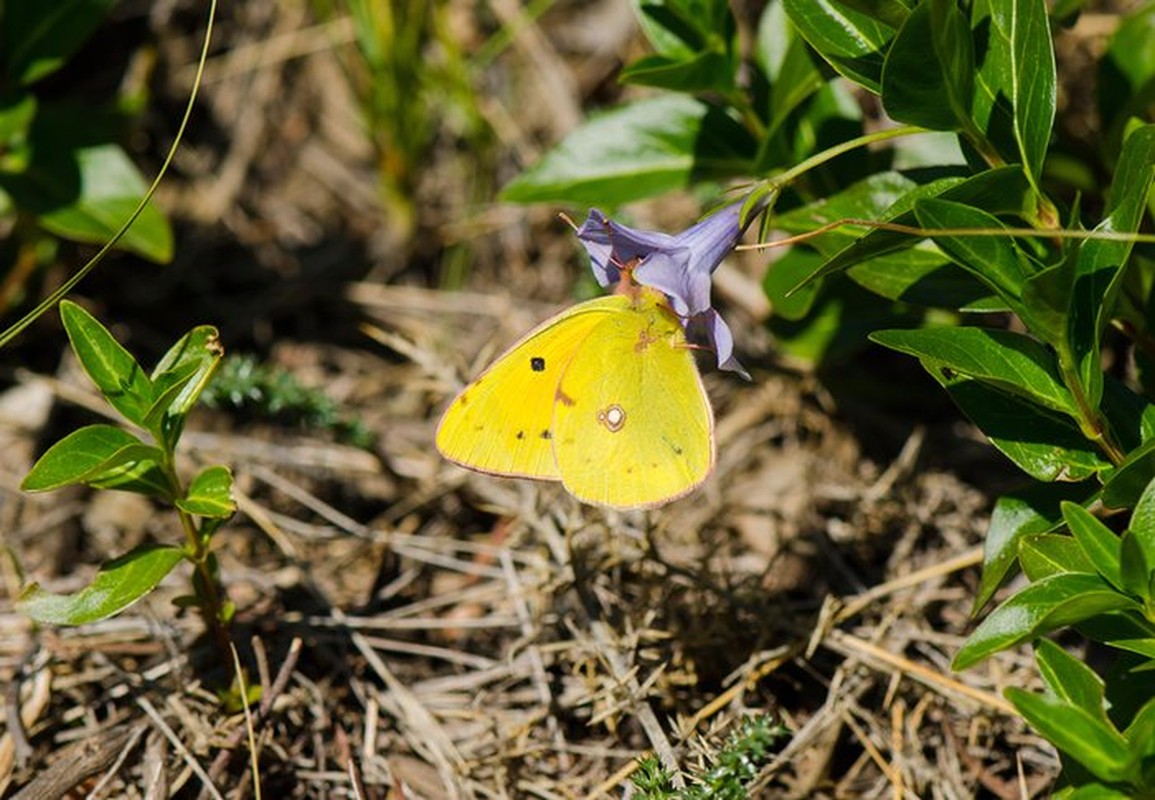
point(421, 632)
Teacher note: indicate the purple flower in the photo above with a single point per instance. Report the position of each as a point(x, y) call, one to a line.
point(679, 266)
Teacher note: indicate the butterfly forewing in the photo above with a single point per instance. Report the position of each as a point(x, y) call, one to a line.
point(501, 423)
point(632, 425)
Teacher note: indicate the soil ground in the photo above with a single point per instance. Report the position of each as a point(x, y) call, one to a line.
point(419, 631)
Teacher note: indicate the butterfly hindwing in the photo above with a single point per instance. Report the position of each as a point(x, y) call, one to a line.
point(632, 424)
point(502, 422)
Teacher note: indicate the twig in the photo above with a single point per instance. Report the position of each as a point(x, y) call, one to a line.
point(846, 644)
point(77, 763)
point(174, 740)
point(268, 697)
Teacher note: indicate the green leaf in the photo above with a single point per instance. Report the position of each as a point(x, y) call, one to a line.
point(1141, 732)
point(1046, 446)
point(1126, 77)
point(785, 58)
point(682, 28)
point(994, 260)
point(1042, 555)
point(1099, 542)
point(111, 187)
point(850, 41)
point(1143, 520)
point(1002, 359)
point(916, 273)
point(210, 494)
point(1091, 791)
point(1046, 300)
point(37, 39)
point(1093, 743)
point(136, 470)
point(928, 76)
point(1099, 264)
point(1070, 679)
point(1032, 79)
point(1135, 570)
point(784, 273)
point(85, 190)
point(1033, 509)
point(180, 378)
point(119, 583)
point(1125, 485)
point(999, 191)
point(112, 368)
point(1014, 104)
point(1043, 606)
point(84, 454)
point(704, 72)
point(637, 151)
point(16, 115)
point(923, 277)
point(1142, 646)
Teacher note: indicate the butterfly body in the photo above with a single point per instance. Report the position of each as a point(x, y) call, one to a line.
point(604, 397)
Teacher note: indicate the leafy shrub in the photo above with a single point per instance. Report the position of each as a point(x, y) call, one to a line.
point(982, 207)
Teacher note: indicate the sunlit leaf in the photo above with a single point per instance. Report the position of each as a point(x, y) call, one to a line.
point(119, 583)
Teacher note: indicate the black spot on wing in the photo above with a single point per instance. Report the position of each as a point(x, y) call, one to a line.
point(537, 364)
point(520, 435)
point(546, 435)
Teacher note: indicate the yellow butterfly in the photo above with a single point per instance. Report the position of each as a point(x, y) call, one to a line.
point(604, 397)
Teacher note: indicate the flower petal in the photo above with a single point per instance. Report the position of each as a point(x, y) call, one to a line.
point(719, 333)
point(612, 245)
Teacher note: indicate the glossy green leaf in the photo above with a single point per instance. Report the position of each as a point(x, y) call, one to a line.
point(1135, 569)
point(111, 187)
point(928, 75)
point(1033, 509)
point(1141, 732)
point(1043, 606)
point(917, 273)
point(793, 75)
point(679, 29)
point(1042, 555)
point(1125, 485)
point(83, 454)
point(1015, 83)
point(79, 185)
point(1046, 446)
point(36, 39)
point(112, 368)
point(17, 111)
point(1143, 520)
point(923, 277)
point(1144, 646)
point(1032, 79)
point(995, 260)
point(1100, 543)
point(210, 494)
point(1070, 679)
point(1131, 416)
point(786, 272)
point(119, 583)
point(850, 41)
point(1100, 262)
point(1046, 300)
point(1096, 745)
point(637, 151)
point(137, 471)
point(1002, 359)
point(704, 72)
point(999, 191)
point(180, 378)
